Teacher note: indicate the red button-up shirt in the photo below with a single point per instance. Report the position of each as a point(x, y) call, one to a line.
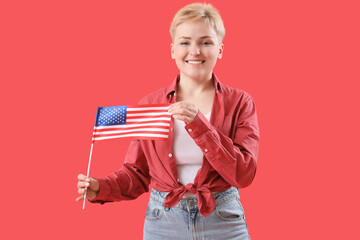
point(229, 142)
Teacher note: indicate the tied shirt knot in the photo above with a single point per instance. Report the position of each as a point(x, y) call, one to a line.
point(206, 200)
point(190, 187)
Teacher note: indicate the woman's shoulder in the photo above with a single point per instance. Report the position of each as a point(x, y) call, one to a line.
point(233, 93)
point(156, 97)
point(238, 101)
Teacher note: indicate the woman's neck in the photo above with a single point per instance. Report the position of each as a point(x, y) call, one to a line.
point(193, 87)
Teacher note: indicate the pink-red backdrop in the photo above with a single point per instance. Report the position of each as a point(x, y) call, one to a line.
point(61, 59)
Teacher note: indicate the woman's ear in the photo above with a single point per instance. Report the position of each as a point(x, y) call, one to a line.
point(221, 50)
point(172, 50)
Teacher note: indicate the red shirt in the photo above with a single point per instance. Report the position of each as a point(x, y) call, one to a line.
point(229, 142)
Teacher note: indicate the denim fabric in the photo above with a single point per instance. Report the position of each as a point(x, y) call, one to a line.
point(184, 221)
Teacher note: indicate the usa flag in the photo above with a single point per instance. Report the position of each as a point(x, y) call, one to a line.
point(151, 121)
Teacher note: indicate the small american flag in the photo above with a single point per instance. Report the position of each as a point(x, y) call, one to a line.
point(151, 121)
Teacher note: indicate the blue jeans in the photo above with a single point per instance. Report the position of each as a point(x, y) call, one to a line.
point(184, 221)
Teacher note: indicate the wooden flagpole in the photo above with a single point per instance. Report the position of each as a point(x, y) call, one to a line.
point(91, 150)
point(88, 171)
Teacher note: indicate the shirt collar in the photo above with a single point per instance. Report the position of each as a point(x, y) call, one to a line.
point(170, 90)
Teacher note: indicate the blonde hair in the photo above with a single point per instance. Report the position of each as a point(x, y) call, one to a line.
point(199, 12)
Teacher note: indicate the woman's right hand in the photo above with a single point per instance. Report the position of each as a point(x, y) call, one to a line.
point(89, 185)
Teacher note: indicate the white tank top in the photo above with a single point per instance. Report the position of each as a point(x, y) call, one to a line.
point(188, 155)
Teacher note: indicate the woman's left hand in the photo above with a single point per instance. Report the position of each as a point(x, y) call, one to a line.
point(184, 111)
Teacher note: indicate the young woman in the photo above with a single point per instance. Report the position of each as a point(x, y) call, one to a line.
point(211, 150)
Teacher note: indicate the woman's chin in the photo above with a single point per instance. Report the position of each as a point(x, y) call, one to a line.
point(197, 74)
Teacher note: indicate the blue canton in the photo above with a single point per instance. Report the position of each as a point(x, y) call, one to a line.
point(108, 116)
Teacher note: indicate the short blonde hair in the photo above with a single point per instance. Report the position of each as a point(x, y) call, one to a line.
point(199, 12)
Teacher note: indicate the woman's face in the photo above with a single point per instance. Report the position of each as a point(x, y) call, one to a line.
point(195, 48)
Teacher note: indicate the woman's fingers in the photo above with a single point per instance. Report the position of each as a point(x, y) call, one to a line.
point(182, 108)
point(82, 177)
point(181, 104)
point(80, 198)
point(87, 185)
point(183, 111)
point(82, 184)
point(82, 190)
point(182, 118)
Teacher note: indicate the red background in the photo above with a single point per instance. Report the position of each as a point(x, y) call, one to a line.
point(61, 59)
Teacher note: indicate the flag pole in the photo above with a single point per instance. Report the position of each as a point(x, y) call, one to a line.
point(88, 171)
point(91, 150)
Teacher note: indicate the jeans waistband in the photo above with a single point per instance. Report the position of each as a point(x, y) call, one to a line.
point(221, 197)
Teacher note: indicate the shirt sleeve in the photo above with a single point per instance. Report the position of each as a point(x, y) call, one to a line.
point(130, 181)
point(234, 159)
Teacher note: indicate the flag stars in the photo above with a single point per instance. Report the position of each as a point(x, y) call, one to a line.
point(112, 115)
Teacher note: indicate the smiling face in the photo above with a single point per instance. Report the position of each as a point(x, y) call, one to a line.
point(196, 48)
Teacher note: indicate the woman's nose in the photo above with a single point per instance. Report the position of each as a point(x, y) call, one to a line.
point(194, 49)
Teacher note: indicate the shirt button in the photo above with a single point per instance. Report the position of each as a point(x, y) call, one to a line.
point(190, 130)
point(205, 150)
point(170, 155)
point(171, 129)
point(178, 180)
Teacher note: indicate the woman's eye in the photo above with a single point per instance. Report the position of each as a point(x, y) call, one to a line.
point(203, 43)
